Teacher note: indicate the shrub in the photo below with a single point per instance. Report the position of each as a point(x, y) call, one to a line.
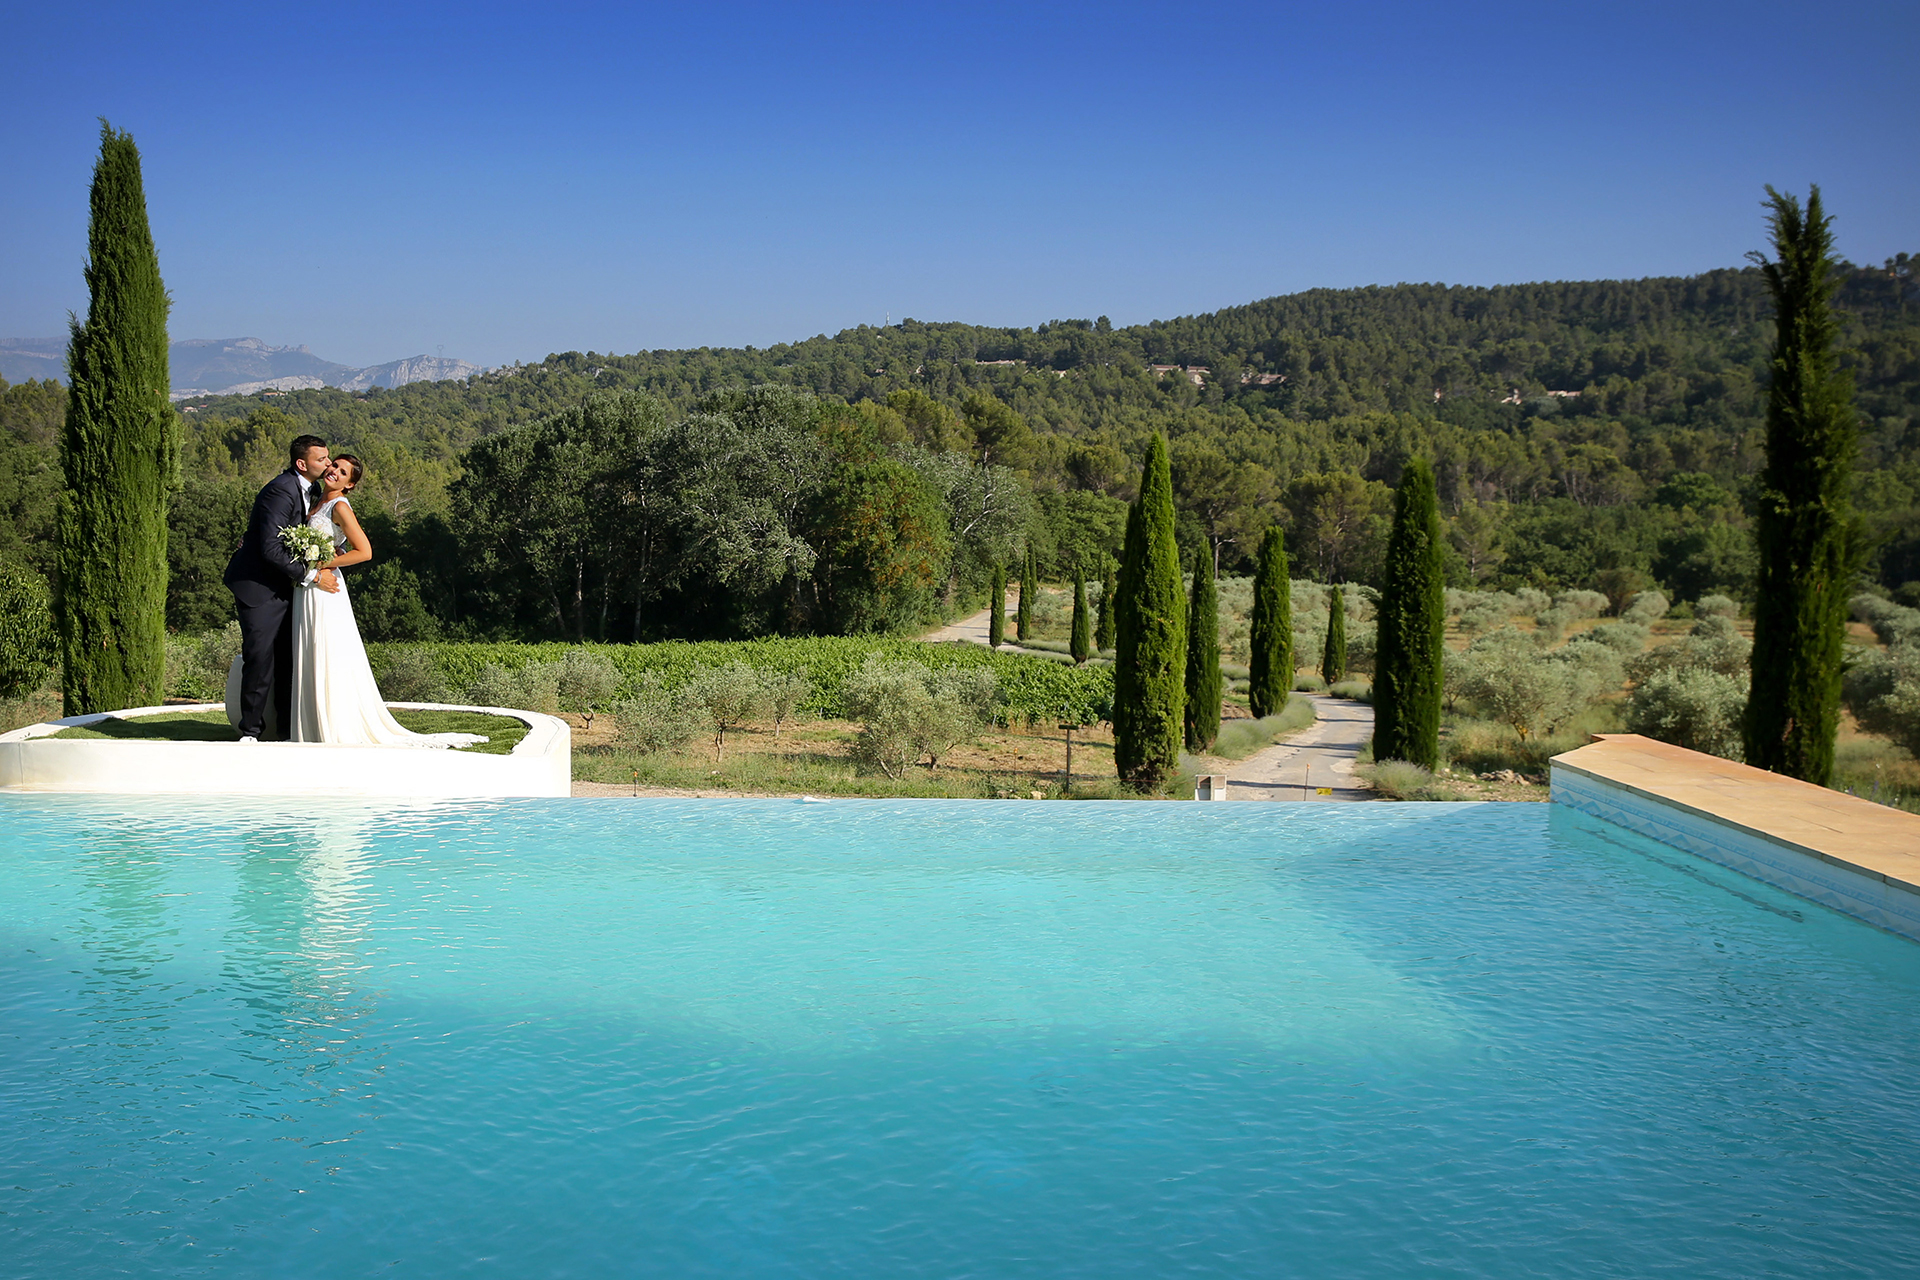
point(1883, 692)
point(1307, 682)
point(784, 692)
point(1892, 624)
point(1693, 707)
point(730, 696)
point(654, 718)
point(29, 644)
point(1509, 679)
point(1241, 738)
point(1646, 607)
point(1399, 779)
point(585, 682)
point(1717, 606)
point(1356, 690)
point(1581, 604)
point(1626, 637)
point(1714, 644)
point(197, 665)
point(907, 712)
point(1549, 626)
point(408, 673)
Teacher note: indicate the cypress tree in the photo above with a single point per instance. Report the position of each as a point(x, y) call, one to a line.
point(1408, 668)
point(119, 453)
point(1270, 671)
point(1803, 527)
point(1081, 644)
point(1203, 656)
point(997, 607)
point(1104, 633)
point(1029, 584)
point(1333, 662)
point(1149, 688)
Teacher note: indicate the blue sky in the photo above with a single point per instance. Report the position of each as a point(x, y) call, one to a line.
point(506, 181)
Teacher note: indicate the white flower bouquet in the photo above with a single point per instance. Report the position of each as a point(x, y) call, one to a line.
point(306, 543)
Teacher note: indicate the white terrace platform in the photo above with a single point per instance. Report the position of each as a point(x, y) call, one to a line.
point(32, 759)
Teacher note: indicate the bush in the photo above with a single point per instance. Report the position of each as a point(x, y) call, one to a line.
point(407, 673)
point(1646, 607)
point(1241, 738)
point(1400, 780)
point(1717, 607)
point(1892, 624)
point(1628, 638)
point(1509, 679)
point(785, 692)
point(729, 696)
point(1883, 692)
point(1581, 604)
point(197, 665)
point(1032, 689)
point(907, 712)
point(29, 644)
point(1356, 690)
point(1693, 707)
point(654, 718)
point(1307, 682)
point(1714, 644)
point(534, 687)
point(586, 682)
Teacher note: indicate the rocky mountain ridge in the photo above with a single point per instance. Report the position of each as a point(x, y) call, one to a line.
point(240, 366)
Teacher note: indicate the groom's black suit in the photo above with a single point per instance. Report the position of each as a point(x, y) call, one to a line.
point(262, 576)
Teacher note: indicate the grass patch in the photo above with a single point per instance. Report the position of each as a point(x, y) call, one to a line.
point(1241, 738)
point(503, 732)
point(1875, 769)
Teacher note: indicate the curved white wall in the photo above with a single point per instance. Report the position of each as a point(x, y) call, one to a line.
point(31, 759)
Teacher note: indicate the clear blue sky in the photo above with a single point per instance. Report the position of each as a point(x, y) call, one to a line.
point(382, 180)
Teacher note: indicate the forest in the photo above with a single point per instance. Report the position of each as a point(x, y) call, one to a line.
point(1586, 435)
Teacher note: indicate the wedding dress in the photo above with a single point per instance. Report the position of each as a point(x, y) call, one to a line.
point(335, 698)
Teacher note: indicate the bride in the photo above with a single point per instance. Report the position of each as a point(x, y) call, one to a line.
point(334, 696)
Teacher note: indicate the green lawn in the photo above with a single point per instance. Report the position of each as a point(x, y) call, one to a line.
point(503, 732)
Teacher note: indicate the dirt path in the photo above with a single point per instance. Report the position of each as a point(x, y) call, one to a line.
point(971, 629)
point(1321, 756)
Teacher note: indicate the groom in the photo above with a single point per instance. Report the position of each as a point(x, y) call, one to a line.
point(262, 576)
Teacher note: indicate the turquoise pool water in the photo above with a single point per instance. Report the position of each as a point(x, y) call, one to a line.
point(871, 1039)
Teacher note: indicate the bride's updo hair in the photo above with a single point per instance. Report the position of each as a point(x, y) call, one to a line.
point(353, 462)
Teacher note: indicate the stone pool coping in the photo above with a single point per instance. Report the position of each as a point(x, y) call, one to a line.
point(1835, 849)
point(31, 759)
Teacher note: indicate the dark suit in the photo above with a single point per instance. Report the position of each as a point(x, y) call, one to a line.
point(263, 576)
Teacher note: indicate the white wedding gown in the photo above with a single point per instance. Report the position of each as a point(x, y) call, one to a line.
point(334, 696)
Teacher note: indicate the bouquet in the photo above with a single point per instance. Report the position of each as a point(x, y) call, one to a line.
point(306, 543)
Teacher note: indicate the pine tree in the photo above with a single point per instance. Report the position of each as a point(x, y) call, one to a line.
point(997, 607)
point(1151, 642)
point(1029, 587)
point(1408, 669)
point(1270, 671)
point(1333, 661)
point(1804, 526)
point(1203, 656)
point(1104, 633)
point(1080, 646)
point(119, 454)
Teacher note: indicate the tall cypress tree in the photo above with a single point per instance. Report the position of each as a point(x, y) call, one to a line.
point(1804, 525)
point(1333, 657)
point(1029, 584)
point(1270, 671)
point(1103, 635)
point(1408, 671)
point(1203, 656)
point(1080, 646)
point(997, 607)
point(119, 452)
point(1149, 684)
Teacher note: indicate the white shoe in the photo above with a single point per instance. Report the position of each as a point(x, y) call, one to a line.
point(248, 738)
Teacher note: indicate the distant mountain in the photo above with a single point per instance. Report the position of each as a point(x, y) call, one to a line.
point(239, 366)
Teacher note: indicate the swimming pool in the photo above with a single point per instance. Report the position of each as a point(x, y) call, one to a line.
point(561, 1038)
